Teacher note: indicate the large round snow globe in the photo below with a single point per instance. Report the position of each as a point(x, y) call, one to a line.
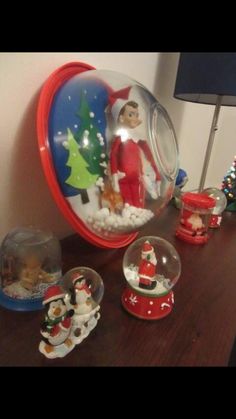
point(152, 267)
point(109, 152)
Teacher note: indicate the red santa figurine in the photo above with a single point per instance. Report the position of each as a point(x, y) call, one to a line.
point(126, 157)
point(147, 267)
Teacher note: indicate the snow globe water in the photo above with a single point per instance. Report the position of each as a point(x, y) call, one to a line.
point(113, 150)
point(30, 262)
point(221, 203)
point(84, 291)
point(152, 267)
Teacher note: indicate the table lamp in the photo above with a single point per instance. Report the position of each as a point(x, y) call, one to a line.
point(208, 78)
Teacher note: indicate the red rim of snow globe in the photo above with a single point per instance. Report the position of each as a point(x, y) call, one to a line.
point(50, 88)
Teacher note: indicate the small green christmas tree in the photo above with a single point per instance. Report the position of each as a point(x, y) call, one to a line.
point(90, 139)
point(80, 177)
point(229, 187)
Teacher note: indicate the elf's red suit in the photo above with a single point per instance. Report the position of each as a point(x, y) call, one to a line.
point(126, 158)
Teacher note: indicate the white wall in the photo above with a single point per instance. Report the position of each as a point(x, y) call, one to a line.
point(25, 196)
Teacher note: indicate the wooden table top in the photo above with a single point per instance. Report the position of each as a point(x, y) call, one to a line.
point(200, 331)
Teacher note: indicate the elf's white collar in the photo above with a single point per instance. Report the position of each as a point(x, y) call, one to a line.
point(126, 134)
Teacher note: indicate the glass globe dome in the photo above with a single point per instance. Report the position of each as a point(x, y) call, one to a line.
point(155, 280)
point(110, 152)
point(30, 262)
point(84, 289)
point(221, 201)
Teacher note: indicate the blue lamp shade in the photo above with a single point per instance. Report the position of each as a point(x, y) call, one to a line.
point(203, 76)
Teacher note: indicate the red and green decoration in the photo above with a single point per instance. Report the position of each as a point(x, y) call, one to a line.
point(87, 158)
point(229, 187)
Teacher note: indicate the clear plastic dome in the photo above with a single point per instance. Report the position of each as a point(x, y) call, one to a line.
point(30, 262)
point(114, 153)
point(151, 266)
point(219, 196)
point(84, 289)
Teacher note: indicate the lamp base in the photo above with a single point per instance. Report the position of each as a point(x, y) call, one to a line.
point(147, 307)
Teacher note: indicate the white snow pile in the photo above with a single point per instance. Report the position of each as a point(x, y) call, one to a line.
point(130, 218)
point(163, 284)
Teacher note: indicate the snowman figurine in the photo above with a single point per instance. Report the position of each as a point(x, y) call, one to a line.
point(56, 328)
point(86, 310)
point(81, 297)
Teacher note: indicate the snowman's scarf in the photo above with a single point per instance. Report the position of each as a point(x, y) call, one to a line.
point(51, 323)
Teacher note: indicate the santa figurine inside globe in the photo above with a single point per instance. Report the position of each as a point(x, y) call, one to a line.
point(152, 267)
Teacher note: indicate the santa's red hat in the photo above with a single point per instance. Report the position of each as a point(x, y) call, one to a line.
point(147, 248)
point(76, 276)
point(53, 293)
point(117, 100)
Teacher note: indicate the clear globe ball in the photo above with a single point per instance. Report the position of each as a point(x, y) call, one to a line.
point(151, 265)
point(114, 152)
point(84, 287)
point(221, 201)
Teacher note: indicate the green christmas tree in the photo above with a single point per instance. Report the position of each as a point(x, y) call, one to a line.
point(229, 187)
point(90, 140)
point(80, 177)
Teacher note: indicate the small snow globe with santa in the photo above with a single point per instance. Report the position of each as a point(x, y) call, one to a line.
point(195, 217)
point(221, 203)
point(30, 262)
point(109, 152)
point(152, 267)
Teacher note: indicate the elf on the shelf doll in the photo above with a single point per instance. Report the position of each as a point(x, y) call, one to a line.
point(126, 157)
point(147, 267)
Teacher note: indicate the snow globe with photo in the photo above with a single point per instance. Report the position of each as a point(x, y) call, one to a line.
point(112, 148)
point(152, 267)
point(30, 262)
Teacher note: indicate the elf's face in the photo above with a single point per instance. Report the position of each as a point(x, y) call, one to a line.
point(130, 117)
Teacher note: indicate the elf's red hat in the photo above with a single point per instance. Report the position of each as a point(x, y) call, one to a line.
point(147, 248)
point(117, 100)
point(53, 293)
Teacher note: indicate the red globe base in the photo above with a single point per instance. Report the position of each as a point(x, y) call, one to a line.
point(191, 239)
point(147, 307)
point(215, 221)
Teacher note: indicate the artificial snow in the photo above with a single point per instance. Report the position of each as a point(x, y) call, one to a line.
point(100, 183)
point(131, 274)
point(130, 218)
point(91, 114)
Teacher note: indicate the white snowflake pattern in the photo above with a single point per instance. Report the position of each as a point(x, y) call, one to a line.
point(91, 126)
point(69, 97)
point(85, 92)
point(95, 97)
point(103, 156)
point(76, 126)
point(91, 114)
point(59, 132)
point(99, 121)
point(133, 299)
